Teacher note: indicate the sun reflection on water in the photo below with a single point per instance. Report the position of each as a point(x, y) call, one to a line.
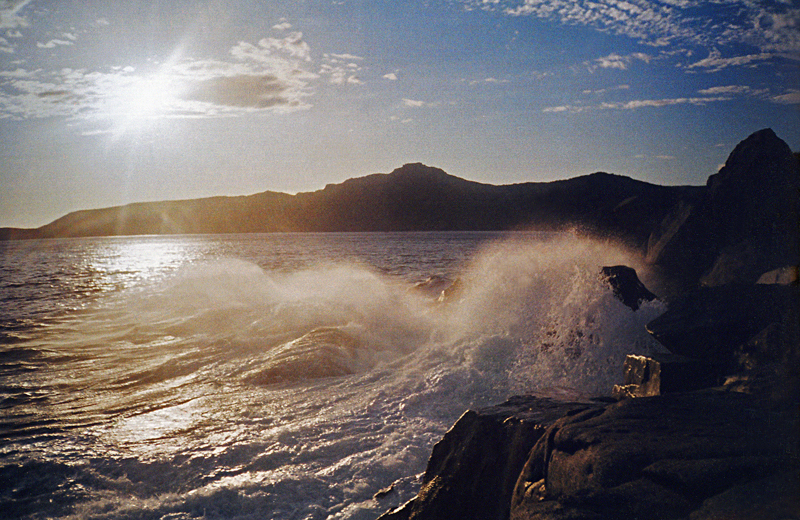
point(129, 261)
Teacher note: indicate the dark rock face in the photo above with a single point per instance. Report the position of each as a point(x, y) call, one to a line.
point(474, 468)
point(722, 324)
point(658, 458)
point(626, 285)
point(745, 225)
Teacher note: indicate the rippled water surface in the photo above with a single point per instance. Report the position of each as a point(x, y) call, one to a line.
point(280, 376)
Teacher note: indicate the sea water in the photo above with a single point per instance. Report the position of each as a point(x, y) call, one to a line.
point(286, 376)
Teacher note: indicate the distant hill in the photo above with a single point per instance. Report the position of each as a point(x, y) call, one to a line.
point(413, 197)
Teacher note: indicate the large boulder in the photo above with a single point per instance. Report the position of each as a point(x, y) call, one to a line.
point(662, 458)
point(744, 226)
point(740, 326)
point(474, 468)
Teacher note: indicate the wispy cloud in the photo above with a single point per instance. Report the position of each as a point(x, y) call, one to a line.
point(391, 76)
point(11, 21)
point(715, 62)
point(53, 44)
point(10, 17)
point(616, 61)
point(636, 104)
point(489, 81)
point(732, 90)
point(605, 90)
point(791, 97)
point(769, 26)
point(414, 103)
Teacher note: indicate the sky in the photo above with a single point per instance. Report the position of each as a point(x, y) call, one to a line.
point(107, 102)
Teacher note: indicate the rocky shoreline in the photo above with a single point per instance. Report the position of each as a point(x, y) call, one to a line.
point(708, 432)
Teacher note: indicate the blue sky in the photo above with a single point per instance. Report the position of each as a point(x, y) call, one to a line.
point(108, 102)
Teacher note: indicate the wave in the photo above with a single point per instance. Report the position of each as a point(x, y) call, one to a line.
point(536, 314)
point(231, 390)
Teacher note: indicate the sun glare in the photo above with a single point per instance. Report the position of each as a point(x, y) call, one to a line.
point(136, 103)
point(147, 97)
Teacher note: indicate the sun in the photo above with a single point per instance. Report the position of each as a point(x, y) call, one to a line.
point(146, 97)
point(137, 104)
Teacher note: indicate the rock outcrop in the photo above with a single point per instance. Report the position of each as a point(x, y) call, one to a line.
point(474, 468)
point(669, 457)
point(626, 286)
point(745, 225)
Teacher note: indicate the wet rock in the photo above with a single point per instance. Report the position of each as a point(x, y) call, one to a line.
point(383, 493)
point(626, 285)
point(659, 374)
point(474, 468)
point(655, 458)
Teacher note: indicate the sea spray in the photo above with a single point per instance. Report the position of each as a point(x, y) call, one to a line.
point(246, 388)
point(543, 309)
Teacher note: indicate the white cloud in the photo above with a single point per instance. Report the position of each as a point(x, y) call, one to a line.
point(790, 98)
point(18, 73)
point(9, 14)
point(390, 76)
point(605, 90)
point(616, 61)
point(282, 26)
point(341, 69)
point(488, 80)
point(344, 57)
point(715, 62)
point(636, 104)
point(769, 26)
point(414, 103)
point(731, 89)
point(52, 44)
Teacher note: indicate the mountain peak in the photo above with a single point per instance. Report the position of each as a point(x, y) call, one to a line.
point(418, 170)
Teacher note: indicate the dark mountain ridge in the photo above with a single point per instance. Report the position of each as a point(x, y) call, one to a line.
point(414, 197)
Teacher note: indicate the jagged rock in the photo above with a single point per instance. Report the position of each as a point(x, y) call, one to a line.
point(745, 225)
point(626, 285)
point(474, 468)
point(711, 323)
point(659, 374)
point(782, 276)
point(655, 458)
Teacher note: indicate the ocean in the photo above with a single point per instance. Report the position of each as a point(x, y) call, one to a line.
point(282, 376)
